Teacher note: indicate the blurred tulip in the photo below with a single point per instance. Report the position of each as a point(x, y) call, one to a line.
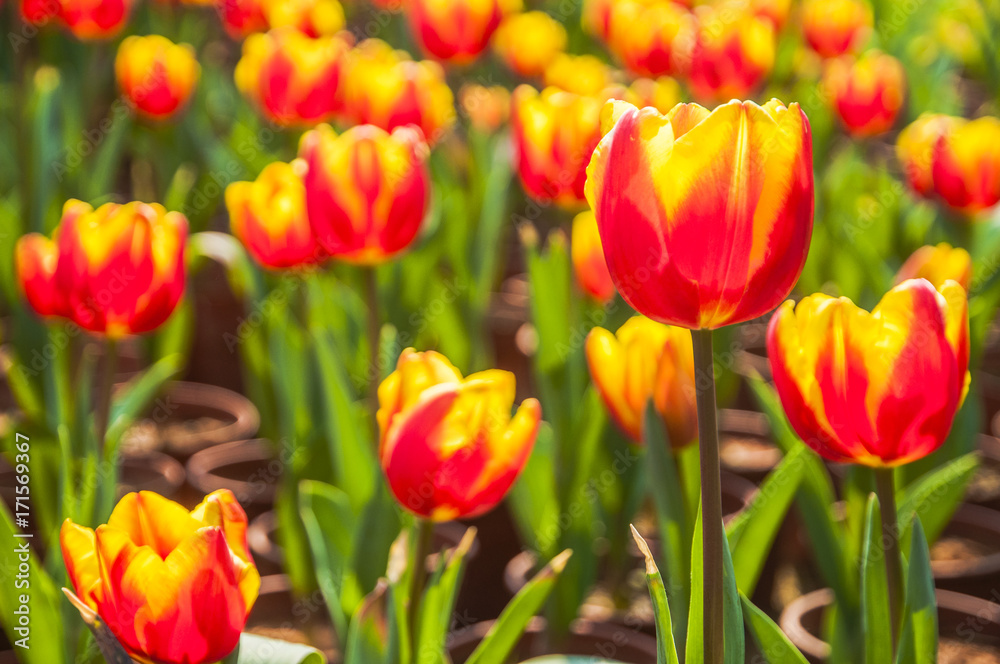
point(834, 27)
point(646, 360)
point(596, 18)
point(314, 18)
point(878, 389)
point(174, 587)
point(585, 75)
point(366, 190)
point(455, 30)
point(705, 216)
point(555, 133)
point(95, 19)
point(645, 35)
point(487, 108)
point(775, 11)
point(156, 75)
point(292, 78)
point(269, 216)
point(449, 446)
point(966, 165)
point(867, 92)
point(40, 12)
point(588, 258)
point(385, 88)
point(915, 149)
point(733, 52)
point(529, 42)
point(242, 18)
point(662, 93)
point(115, 270)
point(938, 264)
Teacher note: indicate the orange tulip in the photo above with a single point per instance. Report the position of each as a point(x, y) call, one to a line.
point(314, 18)
point(486, 108)
point(645, 35)
point(915, 149)
point(585, 75)
point(366, 190)
point(173, 586)
point(292, 78)
point(529, 42)
point(646, 360)
point(269, 216)
point(880, 388)
point(834, 27)
point(705, 216)
point(95, 19)
point(449, 446)
point(115, 270)
point(867, 92)
point(242, 18)
point(455, 30)
point(662, 93)
point(555, 133)
point(966, 165)
point(733, 52)
point(588, 258)
point(387, 89)
point(156, 75)
point(938, 264)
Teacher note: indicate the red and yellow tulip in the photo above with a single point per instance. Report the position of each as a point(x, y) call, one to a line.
point(173, 586)
point(555, 133)
point(878, 389)
point(867, 92)
point(705, 216)
point(366, 190)
point(588, 258)
point(40, 12)
point(733, 52)
point(938, 264)
point(915, 149)
point(387, 89)
point(95, 19)
point(116, 270)
point(529, 42)
point(269, 216)
point(835, 27)
point(242, 18)
point(487, 108)
point(646, 360)
point(585, 75)
point(456, 31)
point(596, 18)
point(313, 18)
point(645, 35)
point(156, 75)
point(449, 446)
point(293, 79)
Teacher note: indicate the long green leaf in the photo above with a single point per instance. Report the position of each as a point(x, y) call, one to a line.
point(935, 496)
point(732, 614)
point(666, 650)
point(771, 641)
point(919, 643)
point(439, 599)
point(875, 590)
point(695, 645)
point(368, 641)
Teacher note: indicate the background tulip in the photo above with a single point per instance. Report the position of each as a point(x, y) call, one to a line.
point(242, 18)
point(867, 93)
point(588, 258)
point(966, 165)
point(156, 75)
point(115, 270)
point(314, 18)
point(486, 108)
point(585, 75)
point(662, 93)
point(455, 30)
point(95, 19)
point(269, 216)
point(834, 27)
point(705, 216)
point(529, 42)
point(173, 586)
point(596, 17)
point(733, 51)
point(915, 149)
point(449, 446)
point(878, 389)
point(646, 360)
point(366, 190)
point(645, 35)
point(938, 264)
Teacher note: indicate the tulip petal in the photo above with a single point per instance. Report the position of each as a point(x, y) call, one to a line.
point(151, 520)
point(80, 557)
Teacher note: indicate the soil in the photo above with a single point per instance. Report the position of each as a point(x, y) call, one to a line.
point(951, 547)
point(739, 451)
point(954, 651)
point(149, 435)
point(985, 484)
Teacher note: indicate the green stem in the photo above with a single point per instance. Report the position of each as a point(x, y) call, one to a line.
point(103, 412)
point(420, 538)
point(886, 489)
point(711, 495)
point(374, 336)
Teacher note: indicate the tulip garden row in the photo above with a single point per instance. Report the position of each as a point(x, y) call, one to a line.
point(427, 331)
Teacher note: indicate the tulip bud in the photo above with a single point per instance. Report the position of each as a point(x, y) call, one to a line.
point(705, 217)
point(915, 149)
point(732, 54)
point(449, 446)
point(171, 585)
point(966, 165)
point(529, 42)
point(588, 258)
point(878, 389)
point(834, 27)
point(867, 93)
point(645, 35)
point(938, 264)
point(157, 76)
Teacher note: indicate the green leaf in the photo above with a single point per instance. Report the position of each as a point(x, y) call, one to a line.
point(919, 643)
point(254, 649)
point(666, 650)
point(935, 496)
point(369, 637)
point(771, 641)
point(533, 498)
point(695, 646)
point(875, 590)
point(505, 633)
point(732, 614)
point(439, 600)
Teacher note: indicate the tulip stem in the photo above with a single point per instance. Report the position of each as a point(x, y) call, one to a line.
point(420, 537)
point(103, 411)
point(711, 495)
point(374, 336)
point(886, 488)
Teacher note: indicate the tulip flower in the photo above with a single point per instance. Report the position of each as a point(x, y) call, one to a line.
point(775, 11)
point(116, 270)
point(385, 88)
point(867, 92)
point(449, 446)
point(915, 149)
point(588, 258)
point(366, 190)
point(269, 216)
point(293, 79)
point(645, 35)
point(486, 108)
point(95, 19)
point(173, 586)
point(662, 93)
point(528, 43)
point(938, 264)
point(705, 216)
point(879, 389)
point(596, 18)
point(157, 76)
point(733, 52)
point(314, 18)
point(585, 75)
point(646, 360)
point(456, 31)
point(40, 12)
point(555, 133)
point(966, 165)
point(835, 27)
point(242, 18)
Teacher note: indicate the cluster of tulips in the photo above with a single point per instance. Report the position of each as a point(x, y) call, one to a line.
point(696, 219)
